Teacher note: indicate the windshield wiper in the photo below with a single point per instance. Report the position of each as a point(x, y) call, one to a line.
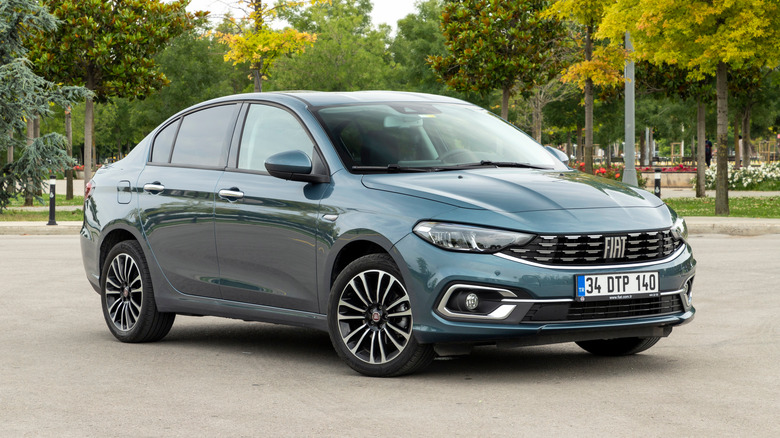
point(484, 163)
point(390, 168)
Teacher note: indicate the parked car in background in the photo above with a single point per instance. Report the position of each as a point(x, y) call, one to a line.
point(405, 225)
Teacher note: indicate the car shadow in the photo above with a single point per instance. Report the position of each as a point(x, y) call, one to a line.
point(293, 344)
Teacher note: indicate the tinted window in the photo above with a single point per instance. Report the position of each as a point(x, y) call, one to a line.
point(202, 139)
point(268, 131)
point(161, 151)
point(427, 135)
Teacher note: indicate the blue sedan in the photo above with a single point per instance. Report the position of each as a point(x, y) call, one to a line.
point(405, 225)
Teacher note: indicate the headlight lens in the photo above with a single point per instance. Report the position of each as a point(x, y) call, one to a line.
point(680, 229)
point(456, 237)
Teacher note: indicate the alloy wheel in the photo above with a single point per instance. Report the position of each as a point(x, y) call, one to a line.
point(124, 292)
point(374, 317)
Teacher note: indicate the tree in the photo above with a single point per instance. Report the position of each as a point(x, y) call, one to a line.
point(491, 44)
point(350, 53)
point(255, 42)
point(601, 66)
point(417, 38)
point(673, 81)
point(705, 38)
point(24, 96)
point(108, 46)
point(194, 64)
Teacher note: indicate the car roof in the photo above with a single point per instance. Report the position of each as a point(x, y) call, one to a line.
point(323, 98)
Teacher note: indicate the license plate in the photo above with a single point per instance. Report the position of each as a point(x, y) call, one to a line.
point(617, 286)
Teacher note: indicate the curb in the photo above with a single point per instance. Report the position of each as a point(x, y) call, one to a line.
point(40, 228)
point(732, 226)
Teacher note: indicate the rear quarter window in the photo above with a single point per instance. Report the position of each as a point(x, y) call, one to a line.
point(203, 137)
point(163, 142)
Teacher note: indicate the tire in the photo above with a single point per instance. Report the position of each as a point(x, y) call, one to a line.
point(618, 347)
point(370, 320)
point(127, 296)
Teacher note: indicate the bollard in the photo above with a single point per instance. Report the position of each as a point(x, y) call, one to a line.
point(657, 189)
point(52, 199)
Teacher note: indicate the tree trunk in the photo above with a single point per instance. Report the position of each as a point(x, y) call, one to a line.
point(588, 105)
point(722, 177)
point(10, 150)
point(746, 146)
point(258, 78)
point(28, 198)
point(580, 144)
point(89, 118)
point(650, 146)
point(701, 163)
point(537, 116)
point(642, 150)
point(737, 148)
point(568, 144)
point(69, 171)
point(505, 102)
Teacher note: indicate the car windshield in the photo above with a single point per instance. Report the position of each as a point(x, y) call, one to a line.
point(427, 137)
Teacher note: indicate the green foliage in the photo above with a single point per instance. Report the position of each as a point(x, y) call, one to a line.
point(109, 45)
point(417, 38)
point(255, 42)
point(350, 54)
point(23, 96)
point(698, 35)
point(194, 64)
point(506, 45)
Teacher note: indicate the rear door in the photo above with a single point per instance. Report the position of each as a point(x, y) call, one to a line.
point(177, 197)
point(266, 226)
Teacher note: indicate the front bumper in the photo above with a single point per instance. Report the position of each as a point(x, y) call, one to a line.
point(431, 272)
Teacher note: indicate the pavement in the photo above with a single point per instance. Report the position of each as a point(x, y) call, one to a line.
point(734, 226)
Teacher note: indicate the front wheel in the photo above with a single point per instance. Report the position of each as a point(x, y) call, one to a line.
point(618, 347)
point(127, 296)
point(370, 320)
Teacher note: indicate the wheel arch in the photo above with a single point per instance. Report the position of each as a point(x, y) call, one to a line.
point(110, 240)
point(351, 252)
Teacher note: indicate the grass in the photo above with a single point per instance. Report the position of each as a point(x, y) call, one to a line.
point(40, 216)
point(59, 199)
point(765, 207)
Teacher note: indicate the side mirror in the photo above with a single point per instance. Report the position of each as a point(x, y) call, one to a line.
point(558, 154)
point(294, 166)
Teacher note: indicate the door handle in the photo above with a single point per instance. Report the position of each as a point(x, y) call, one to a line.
point(231, 194)
point(154, 188)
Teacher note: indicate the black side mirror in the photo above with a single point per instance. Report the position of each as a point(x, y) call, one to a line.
point(558, 154)
point(294, 166)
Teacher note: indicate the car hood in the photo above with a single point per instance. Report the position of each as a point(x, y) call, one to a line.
point(515, 190)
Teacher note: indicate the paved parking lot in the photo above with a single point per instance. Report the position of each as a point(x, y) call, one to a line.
point(63, 374)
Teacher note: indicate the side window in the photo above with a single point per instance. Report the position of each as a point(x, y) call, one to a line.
point(202, 137)
point(161, 150)
point(268, 131)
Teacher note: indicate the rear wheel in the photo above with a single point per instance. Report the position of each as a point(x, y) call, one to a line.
point(127, 296)
point(370, 320)
point(618, 347)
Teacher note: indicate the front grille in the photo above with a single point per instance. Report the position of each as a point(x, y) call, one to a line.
point(589, 249)
point(607, 309)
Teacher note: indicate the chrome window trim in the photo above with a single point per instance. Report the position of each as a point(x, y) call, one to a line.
point(671, 257)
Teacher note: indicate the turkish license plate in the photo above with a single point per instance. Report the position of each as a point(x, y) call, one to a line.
point(617, 286)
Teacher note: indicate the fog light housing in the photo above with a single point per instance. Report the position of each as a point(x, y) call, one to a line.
point(688, 292)
point(472, 301)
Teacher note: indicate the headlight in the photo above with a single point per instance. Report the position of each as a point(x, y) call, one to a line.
point(680, 229)
point(455, 237)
